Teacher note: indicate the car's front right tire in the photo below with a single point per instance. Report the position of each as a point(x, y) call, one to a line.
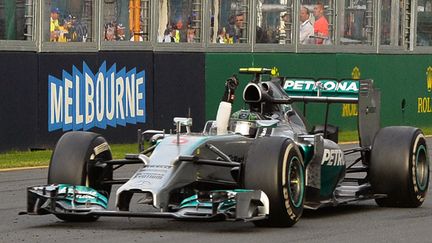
point(275, 166)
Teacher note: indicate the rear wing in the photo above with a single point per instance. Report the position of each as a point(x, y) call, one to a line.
point(361, 92)
point(322, 91)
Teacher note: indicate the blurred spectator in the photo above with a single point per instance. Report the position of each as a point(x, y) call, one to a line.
point(176, 29)
point(239, 20)
point(54, 25)
point(284, 28)
point(70, 29)
point(190, 34)
point(115, 32)
point(306, 28)
point(239, 27)
point(321, 24)
point(167, 37)
point(76, 31)
point(221, 38)
point(63, 34)
point(184, 18)
point(121, 34)
point(231, 28)
point(235, 29)
point(170, 34)
point(110, 32)
point(285, 18)
point(262, 36)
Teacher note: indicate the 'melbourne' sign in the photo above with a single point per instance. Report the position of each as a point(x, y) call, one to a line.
point(83, 100)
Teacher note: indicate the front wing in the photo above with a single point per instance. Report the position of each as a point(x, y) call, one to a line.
point(231, 205)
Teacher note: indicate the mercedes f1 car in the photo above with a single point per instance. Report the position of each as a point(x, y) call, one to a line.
point(259, 164)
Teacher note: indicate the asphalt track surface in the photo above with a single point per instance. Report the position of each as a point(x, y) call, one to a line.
point(358, 222)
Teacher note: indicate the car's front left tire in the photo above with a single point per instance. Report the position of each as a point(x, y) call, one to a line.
point(75, 162)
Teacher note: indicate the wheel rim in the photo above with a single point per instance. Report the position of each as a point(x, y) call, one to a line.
point(295, 182)
point(422, 168)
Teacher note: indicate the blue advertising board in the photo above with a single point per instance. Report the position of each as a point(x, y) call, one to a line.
point(83, 99)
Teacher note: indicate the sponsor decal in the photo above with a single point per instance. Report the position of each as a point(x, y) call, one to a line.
point(101, 148)
point(180, 141)
point(326, 86)
point(150, 174)
point(355, 74)
point(333, 157)
point(82, 100)
point(429, 78)
point(349, 110)
point(424, 104)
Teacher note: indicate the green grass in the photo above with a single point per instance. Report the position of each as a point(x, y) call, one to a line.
point(427, 130)
point(348, 136)
point(119, 150)
point(16, 159)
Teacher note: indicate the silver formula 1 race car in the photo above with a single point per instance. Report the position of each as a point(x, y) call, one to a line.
point(259, 164)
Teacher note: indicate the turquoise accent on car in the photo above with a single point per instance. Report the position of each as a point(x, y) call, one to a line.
point(83, 195)
point(330, 176)
point(300, 200)
point(192, 201)
point(421, 184)
point(307, 151)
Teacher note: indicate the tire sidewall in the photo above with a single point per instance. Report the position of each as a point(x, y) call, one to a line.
point(418, 190)
point(292, 158)
point(93, 175)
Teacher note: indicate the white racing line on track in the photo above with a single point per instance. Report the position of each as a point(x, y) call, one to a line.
point(23, 168)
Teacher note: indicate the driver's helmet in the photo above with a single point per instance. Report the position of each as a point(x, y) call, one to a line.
point(244, 122)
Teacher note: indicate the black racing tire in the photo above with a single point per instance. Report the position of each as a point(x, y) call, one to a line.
point(275, 166)
point(399, 167)
point(74, 162)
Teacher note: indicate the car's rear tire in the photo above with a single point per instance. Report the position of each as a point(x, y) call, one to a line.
point(275, 166)
point(399, 167)
point(74, 162)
